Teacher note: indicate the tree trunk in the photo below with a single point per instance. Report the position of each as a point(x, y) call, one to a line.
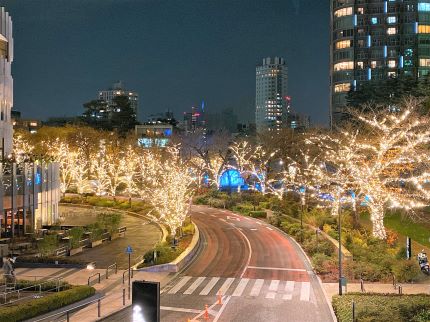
point(377, 217)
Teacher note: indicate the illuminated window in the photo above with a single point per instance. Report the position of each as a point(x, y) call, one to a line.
point(373, 64)
point(391, 31)
point(343, 12)
point(425, 62)
point(423, 6)
point(392, 74)
point(343, 44)
point(391, 63)
point(374, 20)
point(391, 19)
point(344, 87)
point(360, 65)
point(360, 11)
point(424, 29)
point(344, 65)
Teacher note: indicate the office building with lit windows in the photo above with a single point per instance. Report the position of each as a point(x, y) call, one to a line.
point(118, 89)
point(272, 102)
point(375, 40)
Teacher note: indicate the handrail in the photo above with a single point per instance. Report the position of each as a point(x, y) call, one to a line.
point(89, 278)
point(58, 279)
point(114, 265)
point(126, 271)
point(72, 309)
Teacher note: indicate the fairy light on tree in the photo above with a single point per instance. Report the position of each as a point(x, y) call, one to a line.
point(80, 172)
point(385, 161)
point(99, 173)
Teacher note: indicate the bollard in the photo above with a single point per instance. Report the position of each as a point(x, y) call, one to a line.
point(98, 308)
point(400, 290)
point(362, 285)
point(67, 316)
point(353, 311)
point(123, 296)
point(206, 315)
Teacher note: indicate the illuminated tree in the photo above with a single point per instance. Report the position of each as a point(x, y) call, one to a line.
point(385, 160)
point(80, 172)
point(129, 165)
point(61, 152)
point(22, 149)
point(99, 171)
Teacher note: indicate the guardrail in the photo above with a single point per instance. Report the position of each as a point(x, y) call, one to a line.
point(122, 229)
point(125, 272)
point(113, 266)
point(96, 274)
point(76, 308)
point(62, 251)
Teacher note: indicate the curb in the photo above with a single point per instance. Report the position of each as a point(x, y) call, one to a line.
point(183, 259)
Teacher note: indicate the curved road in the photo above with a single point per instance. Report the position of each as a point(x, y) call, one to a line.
point(260, 274)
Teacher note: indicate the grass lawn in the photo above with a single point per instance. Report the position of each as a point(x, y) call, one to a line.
point(418, 231)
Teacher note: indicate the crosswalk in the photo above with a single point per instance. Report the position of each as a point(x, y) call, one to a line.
point(237, 287)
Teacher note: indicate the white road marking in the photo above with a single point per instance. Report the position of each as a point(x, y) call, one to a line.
point(224, 288)
point(222, 309)
point(289, 288)
point(269, 228)
point(248, 218)
point(270, 295)
point(259, 223)
point(209, 286)
point(178, 286)
point(201, 212)
point(254, 229)
point(257, 287)
point(278, 268)
point(274, 285)
point(194, 286)
point(222, 219)
point(213, 216)
point(233, 218)
point(305, 292)
point(178, 309)
point(240, 287)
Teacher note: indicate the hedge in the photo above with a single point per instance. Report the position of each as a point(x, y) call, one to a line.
point(382, 307)
point(51, 302)
point(258, 214)
point(50, 260)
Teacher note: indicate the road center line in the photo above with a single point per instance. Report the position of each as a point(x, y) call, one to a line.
point(178, 309)
point(278, 269)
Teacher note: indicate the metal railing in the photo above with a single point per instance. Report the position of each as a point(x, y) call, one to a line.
point(125, 272)
point(36, 288)
point(96, 274)
point(111, 267)
point(66, 313)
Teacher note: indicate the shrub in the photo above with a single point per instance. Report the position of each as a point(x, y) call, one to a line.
point(258, 214)
point(109, 221)
point(47, 245)
point(48, 303)
point(188, 229)
point(96, 231)
point(45, 286)
point(50, 260)
point(75, 235)
point(406, 271)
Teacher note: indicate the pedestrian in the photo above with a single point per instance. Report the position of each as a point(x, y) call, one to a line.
point(8, 270)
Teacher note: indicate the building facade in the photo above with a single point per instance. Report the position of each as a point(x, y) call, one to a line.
point(375, 40)
point(118, 89)
point(271, 98)
point(6, 83)
point(154, 134)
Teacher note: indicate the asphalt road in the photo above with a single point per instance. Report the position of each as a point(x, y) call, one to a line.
point(259, 273)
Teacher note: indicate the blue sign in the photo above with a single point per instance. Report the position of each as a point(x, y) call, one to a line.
point(129, 250)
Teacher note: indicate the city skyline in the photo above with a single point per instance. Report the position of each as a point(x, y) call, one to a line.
point(183, 52)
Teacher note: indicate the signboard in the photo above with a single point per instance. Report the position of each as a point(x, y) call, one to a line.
point(146, 301)
point(129, 250)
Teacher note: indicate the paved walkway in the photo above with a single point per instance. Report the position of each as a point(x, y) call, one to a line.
point(110, 289)
point(333, 288)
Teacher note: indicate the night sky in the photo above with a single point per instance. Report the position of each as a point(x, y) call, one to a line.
point(174, 53)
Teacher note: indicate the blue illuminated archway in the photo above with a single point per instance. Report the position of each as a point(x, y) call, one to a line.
point(231, 180)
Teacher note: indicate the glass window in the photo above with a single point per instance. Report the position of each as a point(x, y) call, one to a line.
point(360, 64)
point(343, 12)
point(391, 19)
point(343, 44)
point(391, 31)
point(344, 87)
point(392, 74)
point(423, 6)
point(374, 20)
point(391, 63)
point(425, 62)
point(343, 66)
point(424, 29)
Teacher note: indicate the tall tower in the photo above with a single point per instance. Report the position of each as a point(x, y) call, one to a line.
point(271, 98)
point(118, 90)
point(6, 83)
point(375, 40)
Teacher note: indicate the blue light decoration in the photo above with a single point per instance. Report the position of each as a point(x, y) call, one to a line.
point(232, 180)
point(354, 84)
point(326, 196)
point(352, 194)
point(374, 20)
point(385, 7)
point(401, 62)
point(369, 41)
point(369, 74)
point(355, 20)
point(38, 178)
point(203, 105)
point(167, 132)
point(302, 189)
point(366, 200)
point(385, 51)
point(416, 27)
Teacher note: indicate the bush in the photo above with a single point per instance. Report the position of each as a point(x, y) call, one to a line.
point(47, 245)
point(50, 260)
point(96, 230)
point(75, 235)
point(188, 229)
point(46, 286)
point(48, 303)
point(258, 214)
point(382, 307)
point(109, 221)
point(406, 271)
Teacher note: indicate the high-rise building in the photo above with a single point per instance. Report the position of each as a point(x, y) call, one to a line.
point(375, 40)
point(118, 90)
point(6, 83)
point(271, 99)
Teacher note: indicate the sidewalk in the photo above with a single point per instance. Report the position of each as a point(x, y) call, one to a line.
point(111, 289)
point(333, 288)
